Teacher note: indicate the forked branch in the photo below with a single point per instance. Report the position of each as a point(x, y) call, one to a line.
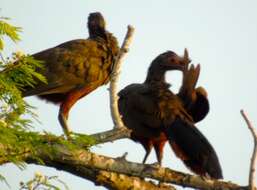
point(252, 172)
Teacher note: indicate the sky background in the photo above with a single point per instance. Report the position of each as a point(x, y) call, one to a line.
point(221, 35)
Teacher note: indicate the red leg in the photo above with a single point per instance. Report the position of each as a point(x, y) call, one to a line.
point(158, 147)
point(71, 98)
point(148, 145)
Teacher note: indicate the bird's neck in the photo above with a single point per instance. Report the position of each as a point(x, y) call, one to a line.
point(96, 33)
point(156, 77)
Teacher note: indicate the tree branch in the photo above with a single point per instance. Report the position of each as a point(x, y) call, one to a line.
point(87, 165)
point(124, 182)
point(115, 76)
point(111, 135)
point(114, 181)
point(252, 175)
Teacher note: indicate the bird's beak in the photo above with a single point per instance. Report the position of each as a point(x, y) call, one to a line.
point(183, 61)
point(175, 62)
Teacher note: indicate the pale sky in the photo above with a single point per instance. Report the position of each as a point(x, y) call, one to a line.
point(221, 35)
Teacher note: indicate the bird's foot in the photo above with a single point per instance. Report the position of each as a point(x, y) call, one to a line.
point(156, 164)
point(205, 177)
point(71, 135)
point(74, 136)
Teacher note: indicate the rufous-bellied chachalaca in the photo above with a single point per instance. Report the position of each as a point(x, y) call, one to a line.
point(188, 96)
point(156, 115)
point(75, 68)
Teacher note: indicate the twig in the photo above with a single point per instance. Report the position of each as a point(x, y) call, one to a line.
point(111, 135)
point(114, 79)
point(252, 175)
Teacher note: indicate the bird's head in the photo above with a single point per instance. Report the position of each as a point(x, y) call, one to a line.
point(171, 61)
point(165, 62)
point(96, 24)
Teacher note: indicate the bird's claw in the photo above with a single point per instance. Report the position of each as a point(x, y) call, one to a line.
point(156, 164)
point(205, 178)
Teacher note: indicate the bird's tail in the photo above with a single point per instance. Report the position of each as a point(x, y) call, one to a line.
point(191, 146)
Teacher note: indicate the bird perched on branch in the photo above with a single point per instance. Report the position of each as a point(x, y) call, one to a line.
point(156, 115)
point(75, 68)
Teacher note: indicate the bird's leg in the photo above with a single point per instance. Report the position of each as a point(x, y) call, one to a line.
point(71, 98)
point(148, 147)
point(158, 147)
point(146, 155)
point(63, 117)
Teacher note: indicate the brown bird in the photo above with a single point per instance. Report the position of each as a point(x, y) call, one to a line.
point(195, 102)
point(155, 115)
point(75, 68)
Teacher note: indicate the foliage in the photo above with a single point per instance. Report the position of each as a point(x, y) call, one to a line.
point(15, 73)
point(8, 30)
point(43, 182)
point(21, 141)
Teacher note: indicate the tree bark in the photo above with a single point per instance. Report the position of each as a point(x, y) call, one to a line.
point(113, 173)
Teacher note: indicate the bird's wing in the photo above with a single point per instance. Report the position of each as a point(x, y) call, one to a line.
point(200, 107)
point(139, 111)
point(71, 64)
point(140, 103)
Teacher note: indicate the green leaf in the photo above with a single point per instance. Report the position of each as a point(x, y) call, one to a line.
point(2, 179)
point(9, 30)
point(1, 44)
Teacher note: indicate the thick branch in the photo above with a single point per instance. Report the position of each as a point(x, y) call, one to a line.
point(114, 78)
point(121, 181)
point(252, 175)
point(57, 159)
point(81, 162)
point(114, 181)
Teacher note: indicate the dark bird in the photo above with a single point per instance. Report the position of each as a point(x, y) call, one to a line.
point(156, 115)
point(75, 68)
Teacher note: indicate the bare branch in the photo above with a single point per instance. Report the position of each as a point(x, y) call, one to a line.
point(114, 79)
point(111, 135)
point(252, 174)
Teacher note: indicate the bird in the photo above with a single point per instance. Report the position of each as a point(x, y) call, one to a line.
point(194, 100)
point(156, 115)
point(75, 68)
